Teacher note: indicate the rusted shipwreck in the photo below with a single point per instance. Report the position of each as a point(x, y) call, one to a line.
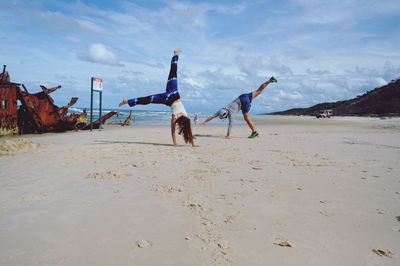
point(37, 112)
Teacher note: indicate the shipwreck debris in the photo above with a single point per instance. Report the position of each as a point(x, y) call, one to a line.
point(101, 120)
point(8, 104)
point(127, 120)
point(37, 112)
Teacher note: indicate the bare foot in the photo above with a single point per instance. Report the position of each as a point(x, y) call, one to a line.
point(177, 51)
point(123, 102)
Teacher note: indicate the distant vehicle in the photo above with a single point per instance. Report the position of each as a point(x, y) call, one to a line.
point(325, 114)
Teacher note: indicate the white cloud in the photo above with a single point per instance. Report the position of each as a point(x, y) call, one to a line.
point(364, 71)
point(99, 53)
point(289, 96)
point(317, 72)
point(253, 66)
point(88, 25)
point(390, 71)
point(231, 9)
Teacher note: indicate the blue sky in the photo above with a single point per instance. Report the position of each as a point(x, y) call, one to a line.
point(319, 50)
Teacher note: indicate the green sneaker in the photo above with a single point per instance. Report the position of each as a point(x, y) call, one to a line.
point(273, 79)
point(253, 135)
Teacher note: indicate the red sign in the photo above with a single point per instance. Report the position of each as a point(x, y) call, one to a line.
point(97, 84)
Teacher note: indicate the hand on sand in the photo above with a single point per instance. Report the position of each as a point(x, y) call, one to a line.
point(124, 101)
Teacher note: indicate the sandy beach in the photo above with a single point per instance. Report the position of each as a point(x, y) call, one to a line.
point(305, 192)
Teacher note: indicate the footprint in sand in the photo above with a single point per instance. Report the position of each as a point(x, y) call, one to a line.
point(167, 189)
point(203, 239)
point(222, 196)
point(237, 195)
point(383, 252)
point(105, 175)
point(284, 243)
point(246, 180)
point(144, 243)
point(130, 165)
point(274, 194)
point(326, 213)
point(230, 219)
point(95, 176)
point(194, 206)
point(223, 245)
point(380, 211)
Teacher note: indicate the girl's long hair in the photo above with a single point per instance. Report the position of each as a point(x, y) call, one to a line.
point(185, 128)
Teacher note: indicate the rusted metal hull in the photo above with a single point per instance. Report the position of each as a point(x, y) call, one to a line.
point(37, 113)
point(8, 108)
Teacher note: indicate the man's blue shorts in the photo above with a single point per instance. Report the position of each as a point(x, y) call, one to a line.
point(245, 101)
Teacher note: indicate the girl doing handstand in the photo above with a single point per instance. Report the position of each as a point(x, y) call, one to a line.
point(170, 98)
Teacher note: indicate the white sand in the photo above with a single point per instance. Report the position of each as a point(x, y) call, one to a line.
point(125, 196)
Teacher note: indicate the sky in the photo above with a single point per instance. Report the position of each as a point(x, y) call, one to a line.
point(320, 51)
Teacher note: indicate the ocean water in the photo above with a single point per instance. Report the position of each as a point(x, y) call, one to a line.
point(139, 117)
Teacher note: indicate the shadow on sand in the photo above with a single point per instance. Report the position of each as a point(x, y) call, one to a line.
point(130, 142)
point(207, 136)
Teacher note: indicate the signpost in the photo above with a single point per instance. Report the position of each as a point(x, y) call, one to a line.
point(96, 85)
